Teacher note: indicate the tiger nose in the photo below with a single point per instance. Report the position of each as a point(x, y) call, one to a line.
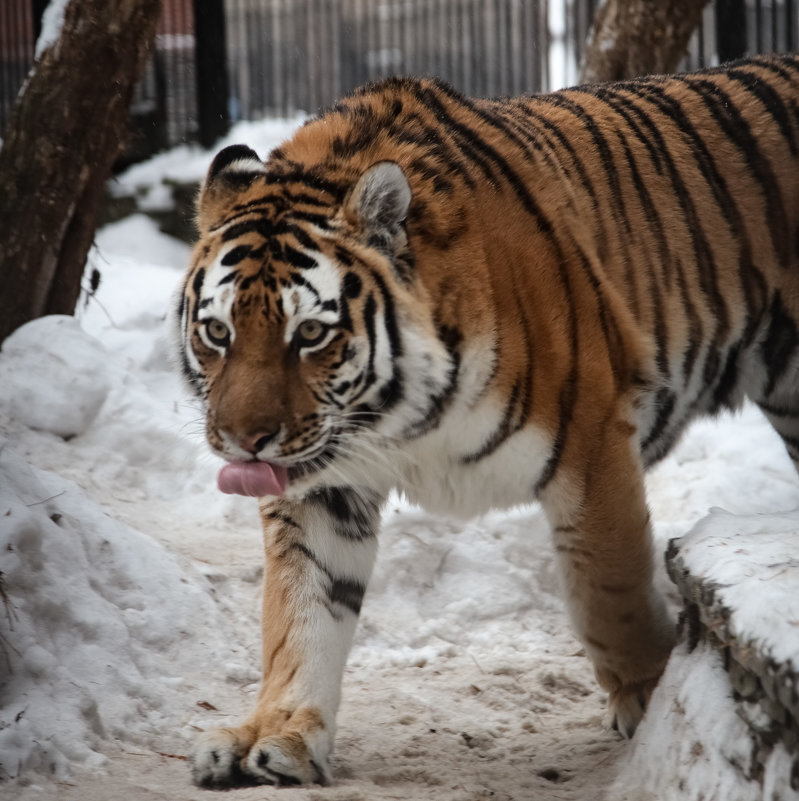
point(253, 443)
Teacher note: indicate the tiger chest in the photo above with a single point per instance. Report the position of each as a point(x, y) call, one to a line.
point(457, 471)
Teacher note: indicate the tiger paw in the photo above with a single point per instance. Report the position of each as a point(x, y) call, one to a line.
point(626, 706)
point(285, 761)
point(216, 761)
point(237, 757)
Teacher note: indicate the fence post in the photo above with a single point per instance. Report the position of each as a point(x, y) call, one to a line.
point(213, 116)
point(730, 29)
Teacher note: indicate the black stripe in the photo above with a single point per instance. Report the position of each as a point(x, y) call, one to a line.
point(353, 517)
point(236, 255)
point(314, 180)
point(298, 259)
point(484, 155)
point(344, 256)
point(462, 135)
point(614, 342)
point(281, 517)
point(181, 303)
point(292, 198)
point(440, 402)
point(389, 316)
point(502, 431)
point(695, 330)
point(369, 315)
point(779, 409)
point(256, 204)
point(723, 392)
point(303, 238)
point(347, 593)
point(665, 401)
point(775, 65)
point(566, 402)
point(752, 281)
point(196, 286)
point(771, 100)
point(262, 226)
point(298, 279)
point(193, 378)
point(614, 95)
point(585, 180)
point(703, 254)
point(392, 392)
point(319, 220)
point(429, 138)
point(780, 343)
point(738, 131)
point(606, 159)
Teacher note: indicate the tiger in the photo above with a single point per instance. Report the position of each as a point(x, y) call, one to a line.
point(480, 304)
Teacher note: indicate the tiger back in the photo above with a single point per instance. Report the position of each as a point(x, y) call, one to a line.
point(483, 303)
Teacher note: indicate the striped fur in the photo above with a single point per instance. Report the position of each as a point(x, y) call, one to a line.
point(486, 303)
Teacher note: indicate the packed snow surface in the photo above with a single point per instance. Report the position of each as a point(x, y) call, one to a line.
point(130, 591)
point(754, 563)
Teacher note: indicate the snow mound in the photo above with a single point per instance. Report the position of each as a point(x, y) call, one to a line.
point(94, 612)
point(69, 361)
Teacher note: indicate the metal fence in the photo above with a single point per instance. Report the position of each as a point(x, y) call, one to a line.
point(288, 55)
point(278, 57)
point(16, 50)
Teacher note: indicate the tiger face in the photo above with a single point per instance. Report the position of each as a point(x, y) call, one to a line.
point(300, 323)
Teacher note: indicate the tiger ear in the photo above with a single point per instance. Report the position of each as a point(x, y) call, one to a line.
point(233, 169)
point(379, 201)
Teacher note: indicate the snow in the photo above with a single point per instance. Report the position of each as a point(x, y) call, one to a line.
point(692, 724)
point(132, 587)
point(150, 181)
point(743, 555)
point(52, 22)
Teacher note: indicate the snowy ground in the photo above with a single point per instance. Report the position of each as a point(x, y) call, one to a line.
point(132, 591)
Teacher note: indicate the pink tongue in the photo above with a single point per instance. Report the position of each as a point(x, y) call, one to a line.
point(252, 478)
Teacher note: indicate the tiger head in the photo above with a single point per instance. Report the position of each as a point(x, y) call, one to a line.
point(303, 328)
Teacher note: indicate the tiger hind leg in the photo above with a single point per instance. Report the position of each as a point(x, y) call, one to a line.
point(602, 538)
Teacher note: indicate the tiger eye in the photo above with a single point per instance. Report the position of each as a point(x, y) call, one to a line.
point(217, 332)
point(310, 332)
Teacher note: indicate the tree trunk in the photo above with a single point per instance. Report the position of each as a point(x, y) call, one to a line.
point(66, 129)
point(639, 37)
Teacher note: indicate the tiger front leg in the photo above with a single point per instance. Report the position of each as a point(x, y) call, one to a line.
point(603, 541)
point(319, 555)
